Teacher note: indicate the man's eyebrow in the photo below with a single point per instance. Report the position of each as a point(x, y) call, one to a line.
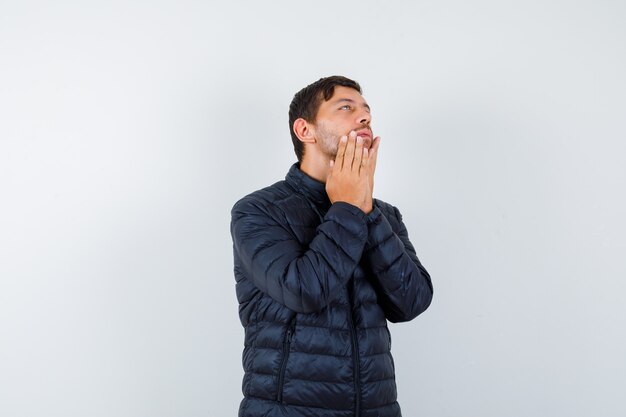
point(349, 100)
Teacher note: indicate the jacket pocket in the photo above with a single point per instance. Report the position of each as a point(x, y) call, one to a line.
point(285, 356)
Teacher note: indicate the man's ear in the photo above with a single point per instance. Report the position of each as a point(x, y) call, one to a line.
point(304, 130)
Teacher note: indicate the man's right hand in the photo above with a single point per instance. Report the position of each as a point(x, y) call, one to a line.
point(349, 178)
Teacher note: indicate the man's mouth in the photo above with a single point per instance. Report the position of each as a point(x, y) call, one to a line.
point(365, 132)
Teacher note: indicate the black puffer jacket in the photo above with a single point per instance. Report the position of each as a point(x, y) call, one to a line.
point(316, 284)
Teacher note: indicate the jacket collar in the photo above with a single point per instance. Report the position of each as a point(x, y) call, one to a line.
point(309, 187)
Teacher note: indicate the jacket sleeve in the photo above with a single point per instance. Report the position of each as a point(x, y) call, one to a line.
point(303, 278)
point(403, 285)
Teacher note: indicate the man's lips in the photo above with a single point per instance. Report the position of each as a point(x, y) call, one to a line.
point(364, 133)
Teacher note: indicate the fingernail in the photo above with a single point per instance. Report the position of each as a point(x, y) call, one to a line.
point(359, 139)
point(344, 138)
point(352, 133)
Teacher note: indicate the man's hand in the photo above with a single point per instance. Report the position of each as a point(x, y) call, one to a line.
point(351, 174)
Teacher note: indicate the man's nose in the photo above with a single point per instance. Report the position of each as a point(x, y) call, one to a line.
point(364, 117)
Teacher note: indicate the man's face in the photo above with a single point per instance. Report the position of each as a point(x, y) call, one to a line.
point(345, 111)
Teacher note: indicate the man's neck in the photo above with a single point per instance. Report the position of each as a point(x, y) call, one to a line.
point(316, 168)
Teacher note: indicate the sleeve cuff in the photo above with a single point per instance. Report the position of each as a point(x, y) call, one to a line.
point(373, 216)
point(339, 206)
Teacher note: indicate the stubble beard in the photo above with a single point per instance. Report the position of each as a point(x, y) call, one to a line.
point(327, 139)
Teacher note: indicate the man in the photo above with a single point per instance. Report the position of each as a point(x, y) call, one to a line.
point(320, 267)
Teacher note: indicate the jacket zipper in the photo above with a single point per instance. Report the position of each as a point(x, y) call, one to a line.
point(283, 364)
point(355, 355)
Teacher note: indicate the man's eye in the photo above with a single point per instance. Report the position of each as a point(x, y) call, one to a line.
point(346, 106)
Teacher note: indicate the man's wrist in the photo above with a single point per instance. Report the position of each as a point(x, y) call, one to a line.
point(352, 208)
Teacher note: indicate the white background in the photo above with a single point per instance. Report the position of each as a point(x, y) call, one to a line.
point(129, 129)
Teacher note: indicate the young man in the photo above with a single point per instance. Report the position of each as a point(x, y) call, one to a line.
point(320, 267)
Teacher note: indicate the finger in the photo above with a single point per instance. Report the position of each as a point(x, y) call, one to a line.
point(349, 155)
point(375, 144)
point(341, 149)
point(373, 152)
point(358, 155)
point(365, 161)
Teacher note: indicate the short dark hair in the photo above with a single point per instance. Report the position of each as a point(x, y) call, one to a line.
point(307, 101)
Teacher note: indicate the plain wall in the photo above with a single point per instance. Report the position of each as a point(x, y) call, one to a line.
point(129, 129)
